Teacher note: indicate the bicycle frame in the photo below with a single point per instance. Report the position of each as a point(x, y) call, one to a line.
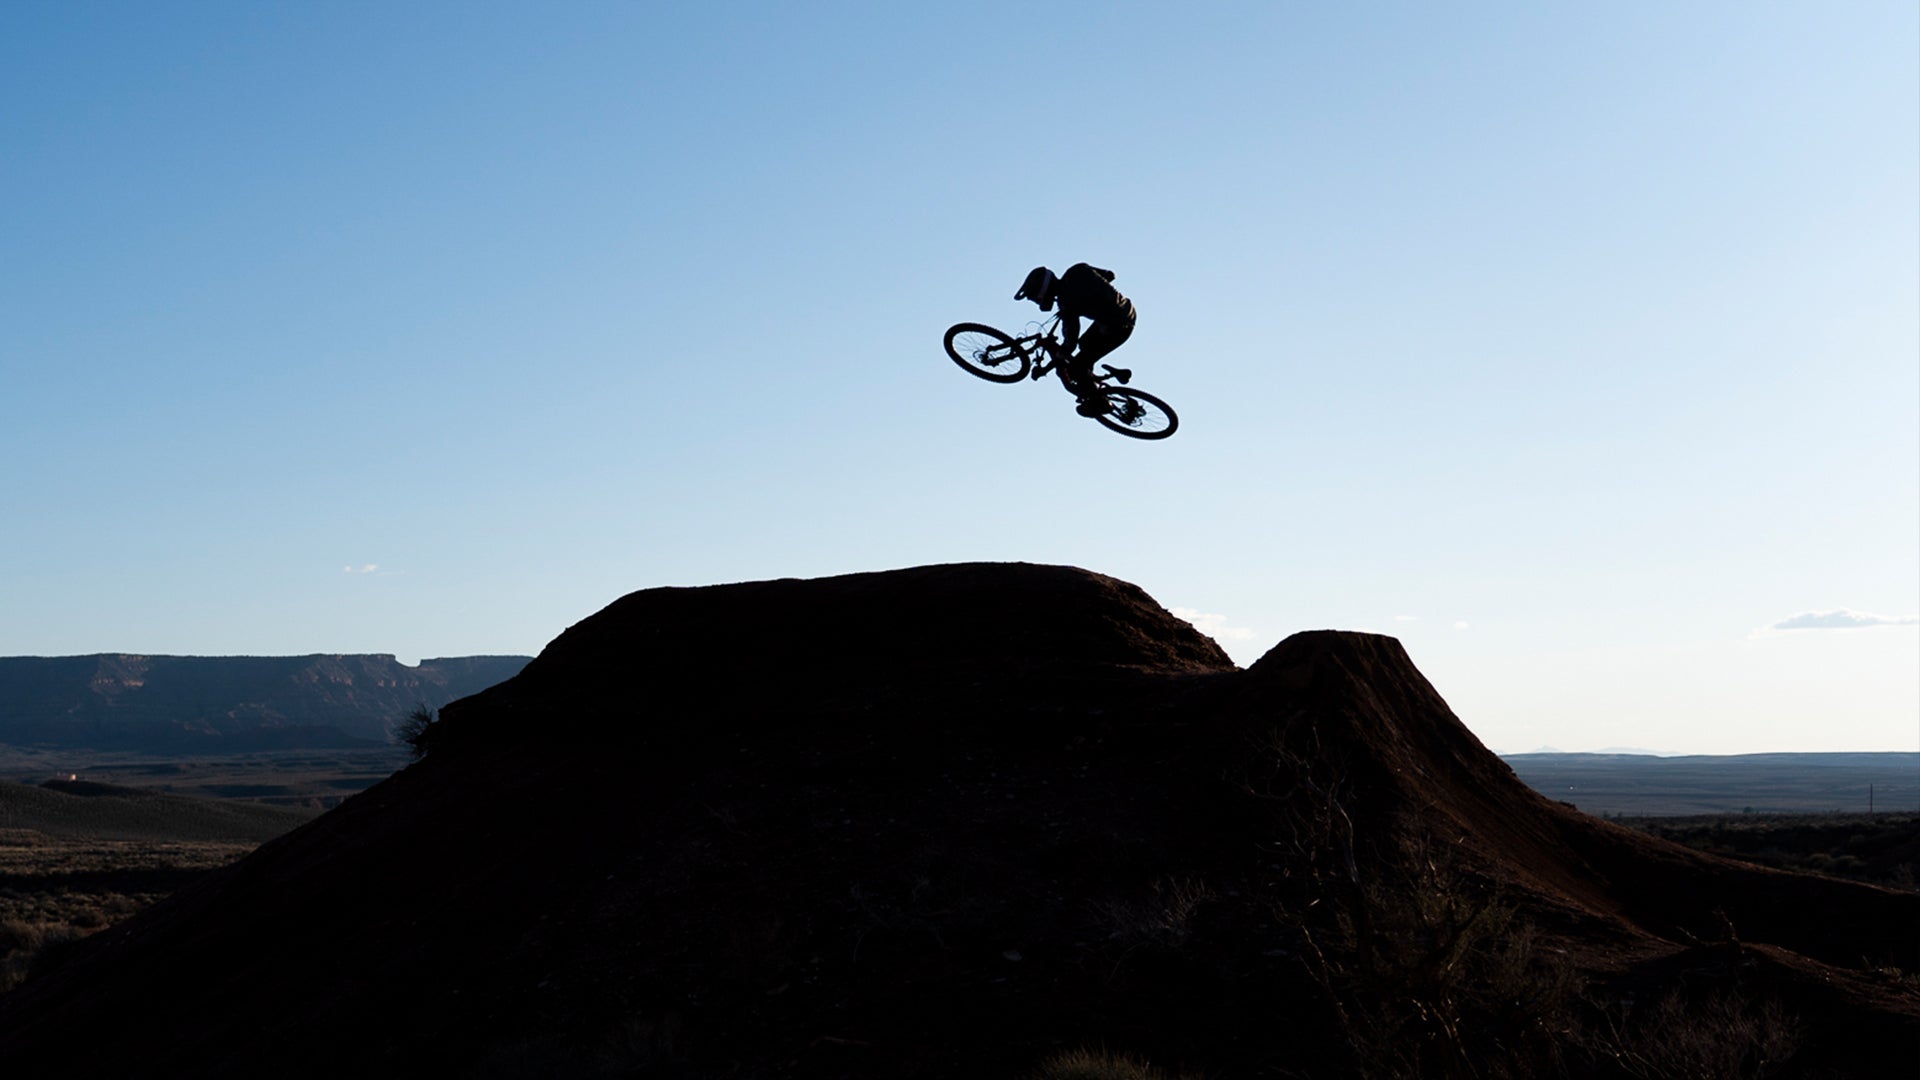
point(995, 355)
point(1044, 346)
point(1050, 348)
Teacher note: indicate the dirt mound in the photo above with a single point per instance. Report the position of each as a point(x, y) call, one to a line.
point(1009, 636)
point(952, 821)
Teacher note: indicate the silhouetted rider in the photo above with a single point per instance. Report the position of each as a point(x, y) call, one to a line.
point(1083, 292)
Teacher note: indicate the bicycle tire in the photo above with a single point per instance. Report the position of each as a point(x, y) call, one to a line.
point(986, 352)
point(1138, 414)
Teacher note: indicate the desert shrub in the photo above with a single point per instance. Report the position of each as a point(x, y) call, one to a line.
point(90, 919)
point(1439, 974)
point(1162, 918)
point(1428, 967)
point(1864, 847)
point(645, 1041)
point(1723, 1037)
point(28, 949)
point(1088, 1064)
point(642, 1045)
point(411, 730)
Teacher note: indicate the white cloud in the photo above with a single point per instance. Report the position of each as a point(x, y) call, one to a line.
point(1843, 619)
point(1214, 626)
point(1458, 624)
point(369, 568)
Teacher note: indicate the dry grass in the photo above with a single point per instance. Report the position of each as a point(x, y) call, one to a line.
point(1088, 1064)
point(54, 891)
point(78, 857)
point(1875, 848)
point(1164, 917)
point(1718, 1036)
point(312, 780)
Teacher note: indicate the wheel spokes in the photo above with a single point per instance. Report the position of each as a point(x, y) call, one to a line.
point(1135, 414)
point(983, 350)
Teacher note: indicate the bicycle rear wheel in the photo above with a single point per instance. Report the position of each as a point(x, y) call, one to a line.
point(988, 353)
point(1138, 414)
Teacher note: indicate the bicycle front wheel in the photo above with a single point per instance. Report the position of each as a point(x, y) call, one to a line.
point(988, 353)
point(1138, 414)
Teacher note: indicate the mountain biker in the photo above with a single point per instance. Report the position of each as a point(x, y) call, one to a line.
point(1082, 292)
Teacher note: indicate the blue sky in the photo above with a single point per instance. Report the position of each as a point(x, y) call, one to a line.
point(1578, 347)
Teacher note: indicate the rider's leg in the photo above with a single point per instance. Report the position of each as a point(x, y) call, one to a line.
point(1080, 375)
point(1099, 340)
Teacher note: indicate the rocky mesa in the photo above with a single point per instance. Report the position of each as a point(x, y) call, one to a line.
point(214, 704)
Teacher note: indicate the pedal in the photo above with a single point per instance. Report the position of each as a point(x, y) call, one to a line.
point(1124, 375)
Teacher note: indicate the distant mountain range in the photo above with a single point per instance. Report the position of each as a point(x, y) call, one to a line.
point(215, 704)
point(1632, 783)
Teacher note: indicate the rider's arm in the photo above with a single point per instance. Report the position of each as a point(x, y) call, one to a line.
point(1069, 329)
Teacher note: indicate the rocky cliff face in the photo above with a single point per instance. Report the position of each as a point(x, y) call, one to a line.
point(211, 704)
point(950, 822)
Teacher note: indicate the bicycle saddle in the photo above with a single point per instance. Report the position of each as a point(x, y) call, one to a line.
point(1122, 375)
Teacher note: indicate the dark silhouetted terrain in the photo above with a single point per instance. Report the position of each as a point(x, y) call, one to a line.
point(960, 821)
point(226, 704)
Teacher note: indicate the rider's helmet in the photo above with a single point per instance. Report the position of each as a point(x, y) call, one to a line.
point(1038, 287)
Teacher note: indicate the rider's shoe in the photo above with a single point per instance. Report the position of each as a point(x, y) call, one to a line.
point(1094, 404)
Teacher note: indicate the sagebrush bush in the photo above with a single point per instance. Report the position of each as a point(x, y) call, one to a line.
point(1088, 1064)
point(1719, 1036)
point(26, 947)
point(1427, 965)
point(1163, 918)
point(411, 730)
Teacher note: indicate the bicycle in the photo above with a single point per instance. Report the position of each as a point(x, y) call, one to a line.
point(997, 357)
